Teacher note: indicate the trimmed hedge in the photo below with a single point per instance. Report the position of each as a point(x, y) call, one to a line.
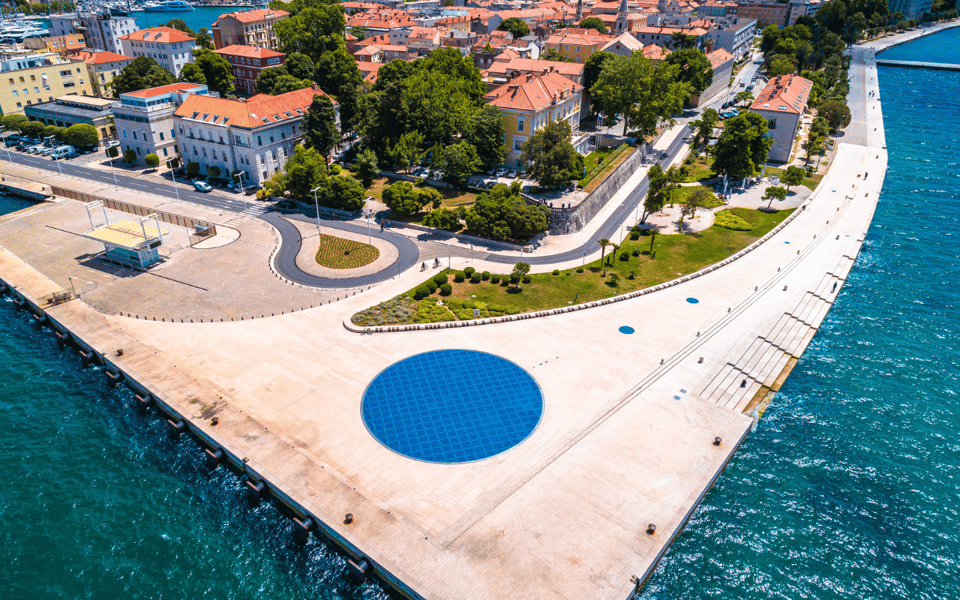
point(469, 271)
point(494, 279)
point(556, 271)
point(421, 292)
point(446, 289)
point(475, 277)
point(440, 278)
point(485, 275)
point(458, 277)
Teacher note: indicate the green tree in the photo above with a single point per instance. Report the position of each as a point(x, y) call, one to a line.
point(320, 127)
point(774, 193)
point(594, 23)
point(180, 25)
point(216, 72)
point(781, 64)
point(742, 147)
point(50, 130)
point(695, 68)
point(662, 186)
point(516, 27)
point(344, 193)
point(519, 271)
point(300, 66)
point(267, 79)
point(442, 94)
point(442, 218)
point(306, 170)
point(367, 167)
point(502, 213)
point(130, 156)
point(151, 160)
point(486, 133)
point(703, 128)
point(112, 152)
point(82, 134)
point(407, 150)
point(32, 129)
point(593, 68)
point(793, 176)
point(337, 74)
point(554, 55)
point(289, 83)
point(313, 30)
point(459, 161)
point(836, 113)
point(192, 73)
point(204, 39)
point(192, 167)
point(404, 200)
point(550, 153)
point(604, 243)
point(140, 74)
point(745, 96)
point(682, 41)
point(11, 122)
point(694, 202)
point(213, 172)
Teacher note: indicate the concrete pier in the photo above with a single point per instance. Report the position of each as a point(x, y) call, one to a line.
point(886, 62)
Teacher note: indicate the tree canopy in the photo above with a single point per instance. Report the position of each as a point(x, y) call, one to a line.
point(192, 73)
point(515, 26)
point(299, 65)
point(695, 68)
point(267, 79)
point(141, 73)
point(593, 68)
point(836, 112)
point(594, 23)
point(404, 200)
point(216, 72)
point(82, 134)
point(502, 213)
point(485, 132)
point(742, 147)
point(313, 27)
point(550, 153)
point(459, 161)
point(320, 127)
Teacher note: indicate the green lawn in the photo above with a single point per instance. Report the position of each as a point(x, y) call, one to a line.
point(451, 197)
point(338, 253)
point(680, 195)
point(591, 160)
point(672, 257)
point(699, 170)
point(809, 181)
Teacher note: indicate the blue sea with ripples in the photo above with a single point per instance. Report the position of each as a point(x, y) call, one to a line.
point(849, 487)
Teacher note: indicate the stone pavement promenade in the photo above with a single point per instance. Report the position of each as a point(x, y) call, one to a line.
point(627, 430)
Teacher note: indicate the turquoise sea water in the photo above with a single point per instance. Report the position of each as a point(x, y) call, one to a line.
point(847, 490)
point(195, 19)
point(939, 47)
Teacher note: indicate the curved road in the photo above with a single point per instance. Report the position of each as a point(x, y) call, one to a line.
point(290, 244)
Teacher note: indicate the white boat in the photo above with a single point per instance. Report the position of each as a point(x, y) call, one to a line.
point(168, 6)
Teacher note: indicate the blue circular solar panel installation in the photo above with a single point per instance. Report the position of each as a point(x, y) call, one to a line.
point(452, 406)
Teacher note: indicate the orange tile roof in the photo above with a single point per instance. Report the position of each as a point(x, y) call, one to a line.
point(251, 113)
point(249, 51)
point(163, 89)
point(164, 35)
point(99, 58)
point(257, 14)
point(785, 93)
point(719, 57)
point(655, 52)
point(531, 92)
point(576, 38)
point(504, 66)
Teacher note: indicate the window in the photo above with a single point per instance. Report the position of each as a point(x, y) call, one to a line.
point(172, 134)
point(36, 90)
point(164, 151)
point(124, 132)
point(15, 93)
point(11, 81)
point(26, 92)
point(19, 105)
point(33, 78)
point(161, 136)
point(520, 124)
point(259, 141)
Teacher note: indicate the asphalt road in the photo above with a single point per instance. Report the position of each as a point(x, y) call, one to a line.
point(285, 263)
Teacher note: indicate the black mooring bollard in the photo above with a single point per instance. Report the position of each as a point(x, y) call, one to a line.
point(359, 570)
point(213, 458)
point(301, 529)
point(255, 490)
point(176, 427)
point(144, 402)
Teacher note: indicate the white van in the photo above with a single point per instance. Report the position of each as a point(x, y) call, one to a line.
point(63, 152)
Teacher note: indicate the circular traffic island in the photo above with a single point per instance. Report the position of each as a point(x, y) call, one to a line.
point(452, 406)
point(341, 253)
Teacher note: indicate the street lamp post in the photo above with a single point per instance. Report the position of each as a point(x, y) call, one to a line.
point(172, 176)
point(367, 212)
point(113, 168)
point(316, 204)
point(243, 195)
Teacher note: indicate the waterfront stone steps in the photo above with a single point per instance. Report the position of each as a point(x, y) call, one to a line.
point(794, 345)
point(825, 289)
point(742, 398)
point(787, 331)
point(820, 315)
point(775, 368)
point(725, 385)
point(762, 351)
point(807, 307)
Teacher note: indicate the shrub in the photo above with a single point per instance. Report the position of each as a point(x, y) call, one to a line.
point(485, 275)
point(635, 233)
point(213, 171)
point(475, 277)
point(494, 279)
point(192, 167)
point(636, 252)
point(446, 289)
point(431, 285)
point(556, 271)
point(729, 220)
point(624, 255)
point(151, 160)
point(527, 279)
point(421, 292)
point(514, 278)
point(335, 169)
point(440, 278)
point(469, 271)
point(458, 277)
point(505, 280)
point(130, 156)
point(579, 269)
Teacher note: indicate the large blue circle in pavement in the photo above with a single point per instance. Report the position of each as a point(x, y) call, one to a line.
point(452, 406)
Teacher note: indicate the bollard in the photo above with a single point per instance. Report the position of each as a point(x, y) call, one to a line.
point(255, 490)
point(115, 378)
point(358, 571)
point(717, 441)
point(20, 303)
point(86, 357)
point(61, 338)
point(213, 458)
point(39, 319)
point(651, 529)
point(144, 402)
point(301, 529)
point(176, 427)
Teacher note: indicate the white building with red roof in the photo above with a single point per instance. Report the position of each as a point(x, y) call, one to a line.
point(144, 119)
point(246, 62)
point(252, 27)
point(530, 102)
point(102, 66)
point(782, 103)
point(256, 135)
point(171, 48)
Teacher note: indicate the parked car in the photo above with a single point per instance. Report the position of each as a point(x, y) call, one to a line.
point(62, 152)
point(202, 186)
point(11, 140)
point(112, 143)
point(34, 149)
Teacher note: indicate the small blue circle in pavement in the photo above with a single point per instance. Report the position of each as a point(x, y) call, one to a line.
point(627, 330)
point(452, 406)
point(786, 242)
point(693, 300)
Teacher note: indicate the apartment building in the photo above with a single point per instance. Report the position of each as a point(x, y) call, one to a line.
point(246, 62)
point(144, 119)
point(61, 44)
point(255, 136)
point(104, 31)
point(102, 67)
point(808, 8)
point(72, 109)
point(530, 102)
point(171, 48)
point(782, 103)
point(576, 44)
point(35, 78)
point(765, 12)
point(722, 63)
point(248, 28)
point(736, 36)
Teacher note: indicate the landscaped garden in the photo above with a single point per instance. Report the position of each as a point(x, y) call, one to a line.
point(638, 263)
point(338, 253)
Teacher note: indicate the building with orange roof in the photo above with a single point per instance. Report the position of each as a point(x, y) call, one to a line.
point(722, 63)
point(576, 44)
point(505, 68)
point(61, 44)
point(530, 102)
point(102, 67)
point(144, 119)
point(663, 36)
point(252, 27)
point(782, 103)
point(255, 136)
point(424, 40)
point(171, 48)
point(246, 62)
point(379, 22)
point(624, 45)
point(765, 12)
point(655, 52)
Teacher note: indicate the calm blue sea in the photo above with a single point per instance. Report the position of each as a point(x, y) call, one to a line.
point(848, 488)
point(195, 19)
point(939, 47)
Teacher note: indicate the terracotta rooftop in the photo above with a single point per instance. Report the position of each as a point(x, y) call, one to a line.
point(625, 41)
point(532, 92)
point(254, 112)
point(655, 52)
point(504, 66)
point(718, 57)
point(249, 51)
point(164, 35)
point(98, 58)
point(163, 89)
point(786, 93)
point(257, 14)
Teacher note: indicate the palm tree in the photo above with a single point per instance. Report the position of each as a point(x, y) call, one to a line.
point(604, 242)
point(613, 253)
